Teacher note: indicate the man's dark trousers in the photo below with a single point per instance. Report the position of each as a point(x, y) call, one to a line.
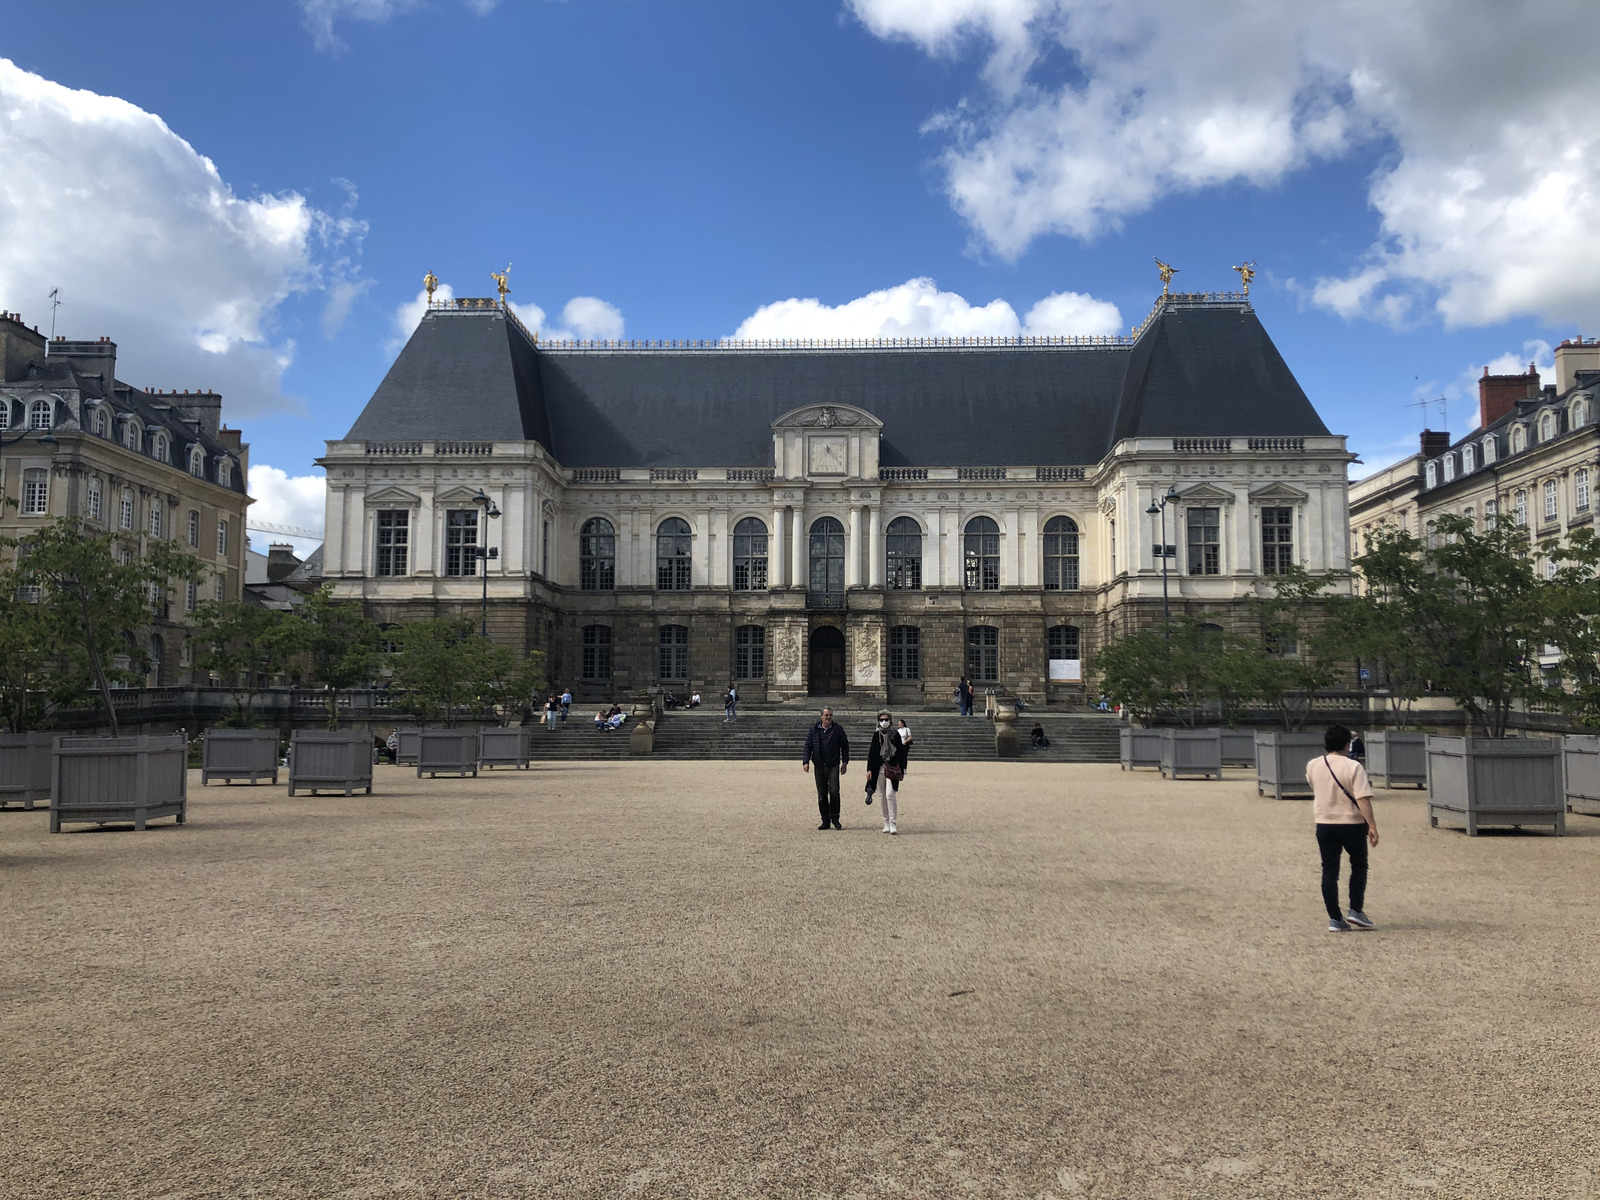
point(827, 791)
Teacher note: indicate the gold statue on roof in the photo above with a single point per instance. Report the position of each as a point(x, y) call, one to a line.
point(430, 284)
point(1167, 272)
point(1247, 272)
point(502, 281)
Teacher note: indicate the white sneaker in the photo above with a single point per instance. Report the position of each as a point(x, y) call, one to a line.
point(887, 828)
point(893, 828)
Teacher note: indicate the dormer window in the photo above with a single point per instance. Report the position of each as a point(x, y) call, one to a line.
point(1432, 474)
point(1519, 438)
point(1469, 459)
point(197, 462)
point(1547, 426)
point(132, 435)
point(1578, 414)
point(41, 414)
point(5, 414)
point(158, 447)
point(1449, 467)
point(100, 422)
point(1488, 449)
point(225, 472)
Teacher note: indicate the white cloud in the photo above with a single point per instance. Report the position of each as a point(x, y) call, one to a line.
point(917, 308)
point(298, 501)
point(583, 317)
point(320, 16)
point(1093, 111)
point(409, 315)
point(151, 247)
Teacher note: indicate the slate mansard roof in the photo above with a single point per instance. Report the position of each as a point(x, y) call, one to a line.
point(1204, 368)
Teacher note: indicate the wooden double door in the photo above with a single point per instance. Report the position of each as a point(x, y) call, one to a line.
point(827, 661)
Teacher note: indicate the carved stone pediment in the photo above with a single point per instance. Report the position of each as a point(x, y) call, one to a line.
point(460, 494)
point(1279, 493)
point(828, 416)
point(393, 496)
point(1206, 493)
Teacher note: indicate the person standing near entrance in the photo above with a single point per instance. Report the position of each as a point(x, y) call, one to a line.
point(964, 697)
point(1342, 807)
point(828, 749)
point(886, 767)
point(730, 705)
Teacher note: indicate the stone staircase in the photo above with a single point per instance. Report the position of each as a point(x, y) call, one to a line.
point(780, 733)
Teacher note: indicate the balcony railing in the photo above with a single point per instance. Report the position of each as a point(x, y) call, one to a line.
point(992, 474)
point(1279, 445)
point(825, 600)
point(903, 474)
point(596, 474)
point(674, 474)
point(750, 474)
point(1057, 474)
point(1202, 445)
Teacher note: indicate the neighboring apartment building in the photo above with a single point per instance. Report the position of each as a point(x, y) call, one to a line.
point(863, 518)
point(143, 465)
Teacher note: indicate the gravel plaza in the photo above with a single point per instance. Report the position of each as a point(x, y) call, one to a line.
point(647, 979)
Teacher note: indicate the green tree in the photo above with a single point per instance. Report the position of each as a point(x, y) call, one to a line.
point(245, 645)
point(100, 598)
point(1575, 602)
point(341, 643)
point(515, 683)
point(35, 675)
point(1136, 673)
point(444, 666)
point(1299, 653)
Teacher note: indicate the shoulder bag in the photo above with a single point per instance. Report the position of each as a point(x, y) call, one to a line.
point(1342, 787)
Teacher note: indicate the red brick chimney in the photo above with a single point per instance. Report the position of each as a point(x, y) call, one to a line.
point(1498, 394)
point(1434, 443)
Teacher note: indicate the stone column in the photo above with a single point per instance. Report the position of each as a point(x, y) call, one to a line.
point(777, 565)
point(874, 546)
point(852, 550)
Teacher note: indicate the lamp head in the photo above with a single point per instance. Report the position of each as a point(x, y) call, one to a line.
point(1154, 508)
point(47, 439)
point(1172, 496)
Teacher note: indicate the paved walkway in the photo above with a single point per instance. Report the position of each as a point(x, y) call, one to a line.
point(659, 980)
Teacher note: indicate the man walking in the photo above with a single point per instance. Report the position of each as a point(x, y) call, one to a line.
point(829, 750)
point(1342, 807)
point(730, 704)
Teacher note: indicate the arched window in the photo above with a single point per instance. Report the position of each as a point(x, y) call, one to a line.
point(1547, 426)
point(1065, 646)
point(750, 561)
point(750, 651)
point(155, 518)
point(100, 422)
point(674, 544)
point(41, 414)
point(1431, 475)
point(905, 653)
point(1060, 555)
point(1469, 459)
point(225, 472)
point(1579, 413)
point(197, 462)
point(132, 435)
point(1521, 501)
point(983, 654)
point(5, 414)
point(903, 557)
point(1519, 438)
point(672, 660)
point(1580, 490)
point(1489, 449)
point(1551, 508)
point(1449, 467)
point(827, 558)
point(981, 555)
point(597, 556)
point(158, 447)
point(596, 658)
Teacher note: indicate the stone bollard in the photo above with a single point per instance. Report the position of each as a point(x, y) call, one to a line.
point(1006, 744)
point(643, 738)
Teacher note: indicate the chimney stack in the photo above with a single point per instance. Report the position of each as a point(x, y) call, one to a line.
point(1434, 443)
point(1498, 394)
point(1574, 355)
point(280, 561)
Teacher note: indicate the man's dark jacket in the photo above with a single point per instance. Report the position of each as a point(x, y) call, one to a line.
point(827, 747)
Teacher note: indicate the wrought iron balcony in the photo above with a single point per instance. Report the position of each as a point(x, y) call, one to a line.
point(825, 600)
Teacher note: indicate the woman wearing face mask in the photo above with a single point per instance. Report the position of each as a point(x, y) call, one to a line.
point(886, 767)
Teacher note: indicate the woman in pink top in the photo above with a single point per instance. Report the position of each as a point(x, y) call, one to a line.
point(1342, 807)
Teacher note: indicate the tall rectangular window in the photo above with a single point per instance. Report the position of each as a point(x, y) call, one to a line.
point(544, 549)
point(1277, 541)
point(155, 518)
point(194, 528)
point(461, 541)
point(191, 595)
point(394, 536)
point(125, 514)
point(95, 499)
point(219, 587)
point(1580, 488)
point(1205, 541)
point(222, 537)
point(983, 654)
point(596, 657)
point(750, 652)
point(673, 647)
point(36, 492)
point(905, 653)
point(1550, 509)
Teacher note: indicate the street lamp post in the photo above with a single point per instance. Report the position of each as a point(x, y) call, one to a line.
point(1159, 508)
point(484, 552)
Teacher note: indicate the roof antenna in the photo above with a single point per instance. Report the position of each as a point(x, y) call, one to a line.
point(55, 303)
point(1426, 404)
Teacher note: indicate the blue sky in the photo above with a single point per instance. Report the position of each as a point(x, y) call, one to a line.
point(1416, 207)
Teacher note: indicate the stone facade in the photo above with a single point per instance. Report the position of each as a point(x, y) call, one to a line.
point(832, 596)
point(145, 466)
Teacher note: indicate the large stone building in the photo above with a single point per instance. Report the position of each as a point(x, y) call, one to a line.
point(871, 519)
point(143, 465)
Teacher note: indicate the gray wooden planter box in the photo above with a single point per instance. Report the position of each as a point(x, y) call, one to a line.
point(25, 768)
point(1495, 781)
point(1397, 759)
point(330, 760)
point(240, 754)
point(1191, 753)
point(447, 752)
point(1281, 760)
point(1140, 747)
point(1238, 747)
point(405, 752)
point(1580, 763)
point(97, 780)
point(504, 747)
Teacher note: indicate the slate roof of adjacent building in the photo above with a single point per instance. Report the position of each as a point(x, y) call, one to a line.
point(1195, 370)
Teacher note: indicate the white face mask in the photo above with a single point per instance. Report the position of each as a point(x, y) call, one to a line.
point(883, 724)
